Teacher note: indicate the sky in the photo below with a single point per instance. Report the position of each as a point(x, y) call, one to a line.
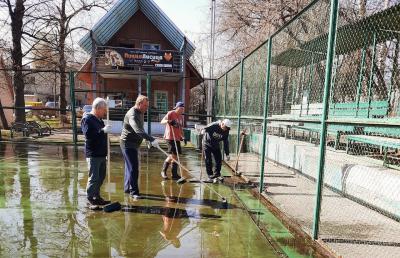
point(191, 16)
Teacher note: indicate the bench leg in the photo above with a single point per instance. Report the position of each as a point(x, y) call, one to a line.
point(337, 140)
point(385, 150)
point(348, 146)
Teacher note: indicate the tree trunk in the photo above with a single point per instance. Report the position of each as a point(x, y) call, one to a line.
point(16, 55)
point(62, 62)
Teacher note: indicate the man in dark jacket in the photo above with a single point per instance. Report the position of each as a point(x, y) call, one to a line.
point(132, 136)
point(95, 133)
point(214, 133)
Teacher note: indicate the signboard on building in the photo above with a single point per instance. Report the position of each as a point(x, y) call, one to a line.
point(125, 57)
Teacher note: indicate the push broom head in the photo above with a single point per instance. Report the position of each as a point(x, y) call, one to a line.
point(182, 180)
point(224, 203)
point(114, 206)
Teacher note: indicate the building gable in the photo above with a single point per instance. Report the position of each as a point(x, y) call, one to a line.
point(138, 30)
point(104, 30)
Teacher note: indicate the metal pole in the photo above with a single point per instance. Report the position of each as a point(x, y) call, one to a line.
point(148, 86)
point(311, 78)
point(183, 90)
point(140, 85)
point(211, 84)
point(360, 77)
point(73, 116)
point(302, 91)
point(371, 75)
point(215, 97)
point(108, 151)
point(392, 79)
point(226, 93)
point(240, 105)
point(327, 84)
point(293, 89)
point(94, 74)
point(332, 91)
point(266, 103)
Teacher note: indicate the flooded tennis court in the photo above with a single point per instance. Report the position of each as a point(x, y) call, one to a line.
point(43, 210)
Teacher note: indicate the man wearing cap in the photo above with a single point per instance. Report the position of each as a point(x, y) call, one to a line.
point(214, 133)
point(173, 122)
point(132, 136)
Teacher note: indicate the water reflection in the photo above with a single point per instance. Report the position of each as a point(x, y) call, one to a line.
point(43, 211)
point(25, 200)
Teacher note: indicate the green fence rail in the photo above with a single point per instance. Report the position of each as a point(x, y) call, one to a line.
point(321, 97)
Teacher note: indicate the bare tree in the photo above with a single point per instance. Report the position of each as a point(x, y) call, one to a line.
point(244, 24)
point(62, 15)
point(198, 94)
point(18, 11)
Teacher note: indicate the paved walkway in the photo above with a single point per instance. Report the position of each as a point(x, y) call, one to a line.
point(347, 227)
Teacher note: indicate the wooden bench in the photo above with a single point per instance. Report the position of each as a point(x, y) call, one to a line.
point(335, 130)
point(377, 109)
point(381, 142)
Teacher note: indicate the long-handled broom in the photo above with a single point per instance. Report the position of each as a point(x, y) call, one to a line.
point(183, 180)
point(242, 135)
point(110, 187)
point(176, 149)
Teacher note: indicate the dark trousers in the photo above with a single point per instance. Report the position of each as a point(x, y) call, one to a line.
point(208, 153)
point(131, 157)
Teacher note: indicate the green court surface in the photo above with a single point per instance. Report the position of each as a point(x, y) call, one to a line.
point(43, 211)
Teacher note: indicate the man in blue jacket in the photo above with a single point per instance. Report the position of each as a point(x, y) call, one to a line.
point(95, 133)
point(214, 133)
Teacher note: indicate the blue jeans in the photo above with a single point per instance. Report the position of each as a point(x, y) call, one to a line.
point(97, 174)
point(131, 157)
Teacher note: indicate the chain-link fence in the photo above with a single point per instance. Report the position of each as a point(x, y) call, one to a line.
point(54, 103)
point(332, 141)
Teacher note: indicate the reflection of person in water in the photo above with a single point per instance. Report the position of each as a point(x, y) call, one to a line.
point(140, 237)
point(172, 225)
point(2, 178)
point(98, 236)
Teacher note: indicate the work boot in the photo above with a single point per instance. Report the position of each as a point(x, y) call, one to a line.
point(175, 175)
point(219, 179)
point(94, 201)
point(102, 201)
point(208, 180)
point(164, 170)
point(215, 175)
point(135, 197)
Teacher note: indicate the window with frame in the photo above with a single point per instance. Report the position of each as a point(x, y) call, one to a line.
point(151, 46)
point(161, 100)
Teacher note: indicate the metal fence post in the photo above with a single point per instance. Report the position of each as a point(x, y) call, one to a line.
point(240, 106)
point(371, 75)
point(73, 111)
point(302, 81)
point(148, 86)
point(226, 93)
point(215, 98)
point(360, 77)
point(327, 84)
point(311, 78)
point(266, 103)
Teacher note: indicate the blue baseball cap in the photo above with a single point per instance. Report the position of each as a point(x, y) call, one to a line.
point(179, 104)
